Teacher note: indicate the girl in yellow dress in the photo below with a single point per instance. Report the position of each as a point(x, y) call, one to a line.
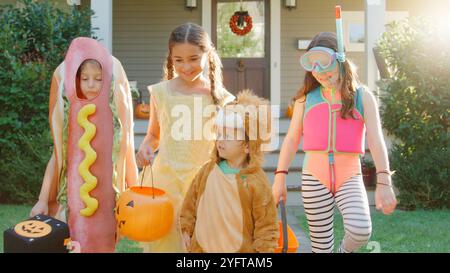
point(182, 111)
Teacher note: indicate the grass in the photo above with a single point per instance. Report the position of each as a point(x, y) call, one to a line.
point(13, 214)
point(402, 232)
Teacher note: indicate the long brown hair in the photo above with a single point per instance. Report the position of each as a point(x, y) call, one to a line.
point(194, 34)
point(348, 79)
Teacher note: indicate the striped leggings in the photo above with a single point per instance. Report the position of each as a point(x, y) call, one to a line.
point(319, 204)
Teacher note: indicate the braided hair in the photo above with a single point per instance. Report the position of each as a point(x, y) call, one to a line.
point(194, 34)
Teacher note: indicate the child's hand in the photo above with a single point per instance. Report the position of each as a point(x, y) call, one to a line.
point(279, 188)
point(41, 207)
point(144, 155)
point(187, 241)
point(384, 196)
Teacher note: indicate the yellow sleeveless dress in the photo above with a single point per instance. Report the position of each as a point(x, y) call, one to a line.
point(185, 145)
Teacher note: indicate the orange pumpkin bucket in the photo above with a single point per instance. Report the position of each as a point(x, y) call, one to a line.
point(287, 243)
point(289, 111)
point(144, 214)
point(142, 111)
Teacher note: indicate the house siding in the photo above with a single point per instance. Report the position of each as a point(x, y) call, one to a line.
point(306, 20)
point(311, 17)
point(141, 29)
point(140, 34)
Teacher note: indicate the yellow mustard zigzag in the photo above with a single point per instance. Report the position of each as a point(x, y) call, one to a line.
point(90, 181)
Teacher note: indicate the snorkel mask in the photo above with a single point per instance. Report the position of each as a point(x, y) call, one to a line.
point(322, 59)
point(319, 59)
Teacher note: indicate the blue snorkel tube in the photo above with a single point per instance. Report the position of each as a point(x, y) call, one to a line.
point(340, 56)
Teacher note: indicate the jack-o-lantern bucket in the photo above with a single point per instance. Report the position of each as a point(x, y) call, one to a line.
point(144, 213)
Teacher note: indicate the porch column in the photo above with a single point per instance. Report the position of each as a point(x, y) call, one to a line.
point(275, 53)
point(375, 18)
point(102, 19)
point(207, 16)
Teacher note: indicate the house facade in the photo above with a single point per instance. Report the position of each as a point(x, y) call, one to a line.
point(136, 32)
point(265, 60)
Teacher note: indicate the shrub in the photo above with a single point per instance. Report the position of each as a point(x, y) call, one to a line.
point(33, 42)
point(415, 108)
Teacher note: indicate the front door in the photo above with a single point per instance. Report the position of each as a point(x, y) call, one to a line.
point(245, 58)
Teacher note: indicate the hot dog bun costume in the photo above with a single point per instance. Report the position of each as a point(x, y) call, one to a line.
point(93, 147)
point(229, 210)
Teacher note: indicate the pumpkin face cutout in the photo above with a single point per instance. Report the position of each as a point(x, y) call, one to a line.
point(32, 229)
point(289, 111)
point(142, 111)
point(144, 214)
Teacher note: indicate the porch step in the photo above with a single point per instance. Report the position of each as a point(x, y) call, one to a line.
point(271, 160)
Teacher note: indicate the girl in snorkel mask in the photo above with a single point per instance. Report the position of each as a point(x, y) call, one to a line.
point(332, 113)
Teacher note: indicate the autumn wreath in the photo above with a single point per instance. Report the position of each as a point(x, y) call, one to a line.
point(241, 23)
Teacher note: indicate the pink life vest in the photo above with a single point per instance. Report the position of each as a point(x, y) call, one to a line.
point(324, 130)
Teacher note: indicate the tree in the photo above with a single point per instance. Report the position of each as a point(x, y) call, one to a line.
point(33, 41)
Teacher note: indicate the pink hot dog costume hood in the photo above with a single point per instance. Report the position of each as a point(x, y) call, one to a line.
point(93, 147)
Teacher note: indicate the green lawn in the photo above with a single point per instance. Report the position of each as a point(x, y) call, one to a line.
point(403, 231)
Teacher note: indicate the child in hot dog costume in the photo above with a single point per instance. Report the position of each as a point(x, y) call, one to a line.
point(229, 207)
point(91, 120)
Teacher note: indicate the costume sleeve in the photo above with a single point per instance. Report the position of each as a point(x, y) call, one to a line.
point(157, 97)
point(131, 173)
point(128, 168)
point(50, 183)
point(264, 215)
point(189, 209)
